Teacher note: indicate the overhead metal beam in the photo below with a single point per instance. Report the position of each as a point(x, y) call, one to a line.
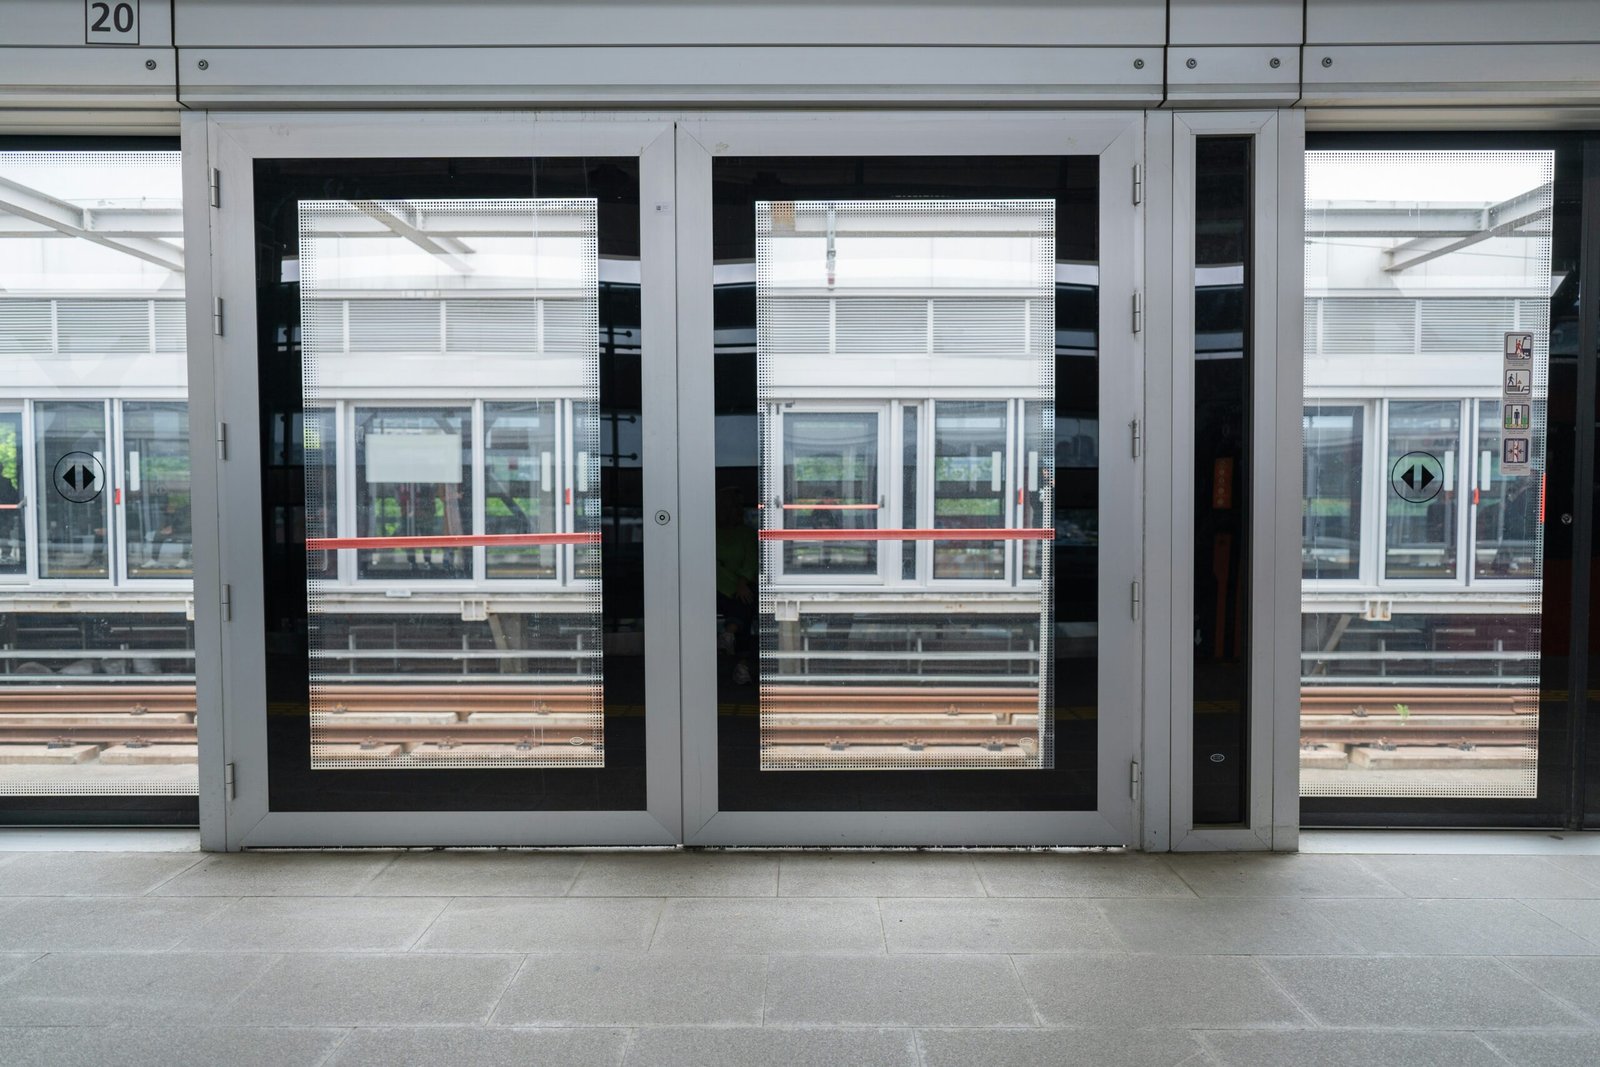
point(1409, 254)
point(75, 221)
point(447, 250)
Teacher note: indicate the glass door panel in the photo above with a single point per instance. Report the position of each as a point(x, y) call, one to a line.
point(1421, 624)
point(155, 498)
point(13, 462)
point(970, 486)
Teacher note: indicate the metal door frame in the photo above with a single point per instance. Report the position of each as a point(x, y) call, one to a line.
point(219, 152)
point(1118, 139)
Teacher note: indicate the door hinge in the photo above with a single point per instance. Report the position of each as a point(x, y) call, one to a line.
point(222, 441)
point(230, 781)
point(1133, 780)
point(216, 187)
point(1138, 183)
point(227, 603)
point(1138, 312)
point(1138, 437)
point(1136, 600)
point(216, 317)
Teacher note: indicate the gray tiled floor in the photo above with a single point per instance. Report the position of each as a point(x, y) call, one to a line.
point(899, 958)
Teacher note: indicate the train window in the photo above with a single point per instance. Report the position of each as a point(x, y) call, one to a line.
point(1426, 271)
point(471, 475)
point(73, 525)
point(1330, 544)
point(830, 482)
point(1421, 532)
point(97, 691)
point(413, 474)
point(910, 455)
point(155, 450)
point(13, 548)
point(970, 486)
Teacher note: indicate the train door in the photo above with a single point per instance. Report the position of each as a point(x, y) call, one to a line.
point(443, 379)
point(909, 378)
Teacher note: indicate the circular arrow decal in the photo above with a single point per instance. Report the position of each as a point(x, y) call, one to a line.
point(79, 477)
point(1417, 477)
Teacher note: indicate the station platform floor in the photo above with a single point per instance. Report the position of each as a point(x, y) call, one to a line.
point(1364, 949)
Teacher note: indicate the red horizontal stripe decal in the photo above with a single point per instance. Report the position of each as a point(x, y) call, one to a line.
point(830, 507)
point(909, 535)
point(314, 544)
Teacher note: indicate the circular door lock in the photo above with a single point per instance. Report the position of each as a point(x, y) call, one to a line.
point(663, 517)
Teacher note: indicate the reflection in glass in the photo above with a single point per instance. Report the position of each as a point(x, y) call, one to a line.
point(155, 445)
point(1420, 536)
point(477, 473)
point(940, 313)
point(1330, 524)
point(1420, 665)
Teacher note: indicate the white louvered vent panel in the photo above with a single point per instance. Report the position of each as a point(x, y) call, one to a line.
point(25, 327)
point(1476, 325)
point(1533, 315)
point(980, 327)
point(103, 326)
point(570, 326)
point(491, 325)
point(880, 325)
point(394, 326)
point(795, 325)
point(321, 326)
point(170, 335)
point(1362, 326)
point(1308, 333)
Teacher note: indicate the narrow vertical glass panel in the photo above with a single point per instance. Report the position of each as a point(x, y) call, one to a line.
point(1421, 531)
point(13, 461)
point(96, 648)
point(155, 451)
point(520, 490)
point(1330, 524)
point(315, 434)
point(1224, 200)
point(969, 486)
point(1038, 422)
point(946, 305)
point(73, 519)
point(830, 482)
point(1429, 273)
point(453, 503)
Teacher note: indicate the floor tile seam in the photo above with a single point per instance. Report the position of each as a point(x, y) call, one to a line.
point(577, 873)
point(1524, 901)
point(655, 924)
point(1260, 965)
point(1494, 1050)
point(1027, 997)
point(1361, 862)
point(327, 1057)
point(629, 1039)
point(1550, 861)
point(511, 980)
point(195, 861)
point(429, 925)
point(1505, 963)
point(918, 1049)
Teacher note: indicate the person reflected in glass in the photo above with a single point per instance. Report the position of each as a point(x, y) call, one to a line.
point(738, 572)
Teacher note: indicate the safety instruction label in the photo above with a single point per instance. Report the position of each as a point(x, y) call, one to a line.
point(1516, 405)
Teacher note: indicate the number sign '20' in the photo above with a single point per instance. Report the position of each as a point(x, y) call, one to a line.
point(111, 21)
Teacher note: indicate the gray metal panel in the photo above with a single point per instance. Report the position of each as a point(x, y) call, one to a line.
point(59, 24)
point(1451, 21)
point(235, 142)
point(209, 666)
point(318, 23)
point(1547, 75)
point(1233, 76)
point(1119, 141)
point(257, 77)
point(1235, 22)
point(83, 77)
